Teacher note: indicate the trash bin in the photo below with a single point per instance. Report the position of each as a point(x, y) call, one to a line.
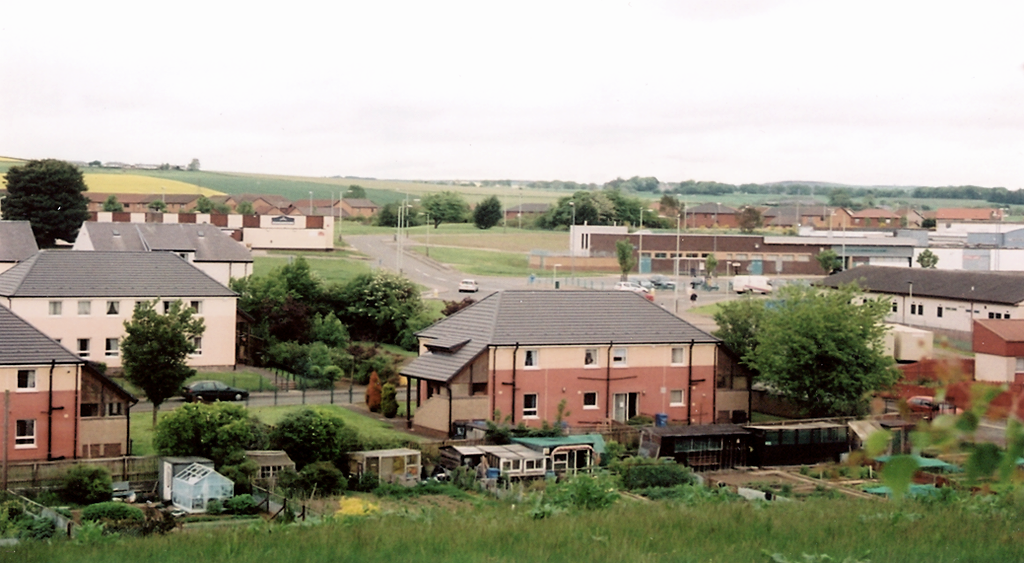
point(493, 472)
point(661, 419)
point(557, 283)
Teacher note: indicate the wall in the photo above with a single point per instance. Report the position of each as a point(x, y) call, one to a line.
point(432, 414)
point(998, 369)
point(33, 405)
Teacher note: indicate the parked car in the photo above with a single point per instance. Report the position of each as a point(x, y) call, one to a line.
point(212, 391)
point(929, 407)
point(635, 288)
point(468, 286)
point(663, 282)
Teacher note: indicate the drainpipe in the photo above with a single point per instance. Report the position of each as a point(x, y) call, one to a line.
point(689, 388)
point(49, 416)
point(448, 386)
point(491, 390)
point(515, 353)
point(78, 407)
point(608, 383)
point(714, 387)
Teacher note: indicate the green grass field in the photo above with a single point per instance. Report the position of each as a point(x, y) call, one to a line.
point(630, 531)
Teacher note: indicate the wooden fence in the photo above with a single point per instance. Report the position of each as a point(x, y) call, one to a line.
point(49, 473)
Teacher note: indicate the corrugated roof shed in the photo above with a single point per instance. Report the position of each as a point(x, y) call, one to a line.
point(65, 273)
point(988, 287)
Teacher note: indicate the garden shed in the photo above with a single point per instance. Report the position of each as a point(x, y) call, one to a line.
point(705, 447)
point(514, 460)
point(567, 454)
point(271, 463)
point(198, 484)
point(400, 465)
point(171, 466)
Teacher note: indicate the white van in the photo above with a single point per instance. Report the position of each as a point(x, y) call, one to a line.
point(751, 284)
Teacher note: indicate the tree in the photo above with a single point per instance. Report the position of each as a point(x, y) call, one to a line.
point(381, 307)
point(374, 393)
point(204, 205)
point(313, 434)
point(710, 264)
point(111, 204)
point(218, 431)
point(245, 208)
point(157, 206)
point(155, 348)
point(670, 205)
point(95, 163)
point(47, 194)
point(749, 219)
point(446, 207)
point(738, 323)
point(355, 192)
point(388, 215)
point(822, 350)
point(488, 213)
point(86, 484)
point(829, 261)
point(194, 165)
point(927, 259)
point(840, 197)
point(389, 400)
point(624, 253)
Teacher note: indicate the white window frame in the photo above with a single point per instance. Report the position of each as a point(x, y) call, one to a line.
point(682, 352)
point(25, 434)
point(56, 308)
point(114, 306)
point(115, 350)
point(594, 406)
point(83, 351)
point(620, 357)
point(198, 341)
point(30, 380)
point(1019, 365)
point(676, 398)
point(196, 306)
point(593, 354)
point(84, 308)
point(531, 358)
point(531, 412)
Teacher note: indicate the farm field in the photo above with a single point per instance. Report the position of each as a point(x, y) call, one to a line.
point(629, 531)
point(136, 184)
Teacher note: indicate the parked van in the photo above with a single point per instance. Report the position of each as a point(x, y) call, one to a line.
point(751, 284)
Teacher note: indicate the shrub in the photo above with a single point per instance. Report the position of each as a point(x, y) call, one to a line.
point(640, 420)
point(37, 529)
point(241, 504)
point(113, 511)
point(312, 435)
point(367, 482)
point(373, 393)
point(86, 484)
point(641, 473)
point(389, 401)
point(214, 507)
point(583, 492)
point(321, 478)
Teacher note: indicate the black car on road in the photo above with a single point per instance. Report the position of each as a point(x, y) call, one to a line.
point(212, 391)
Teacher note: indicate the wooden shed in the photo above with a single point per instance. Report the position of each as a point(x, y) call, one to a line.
point(705, 447)
point(515, 460)
point(799, 442)
point(400, 465)
point(271, 463)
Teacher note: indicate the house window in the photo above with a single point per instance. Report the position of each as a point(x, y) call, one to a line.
point(83, 347)
point(113, 307)
point(55, 308)
point(619, 357)
point(197, 307)
point(115, 409)
point(167, 306)
point(894, 307)
point(675, 398)
point(25, 434)
point(938, 312)
point(88, 410)
point(198, 342)
point(920, 310)
point(661, 255)
point(112, 346)
point(530, 359)
point(1020, 365)
point(530, 405)
point(590, 400)
point(590, 357)
point(85, 308)
point(913, 309)
point(26, 379)
point(679, 356)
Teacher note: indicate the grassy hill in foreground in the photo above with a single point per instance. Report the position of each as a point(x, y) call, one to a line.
point(627, 532)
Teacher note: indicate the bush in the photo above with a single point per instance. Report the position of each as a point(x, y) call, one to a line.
point(367, 482)
point(312, 435)
point(640, 420)
point(321, 478)
point(113, 511)
point(388, 401)
point(86, 484)
point(37, 529)
point(241, 504)
point(373, 393)
point(642, 473)
point(583, 492)
point(214, 506)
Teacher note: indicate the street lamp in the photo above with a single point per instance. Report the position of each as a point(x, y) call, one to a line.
point(572, 240)
point(554, 274)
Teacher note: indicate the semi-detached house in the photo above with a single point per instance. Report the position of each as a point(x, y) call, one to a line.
point(605, 356)
point(82, 300)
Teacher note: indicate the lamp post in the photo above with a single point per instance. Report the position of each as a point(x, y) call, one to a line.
point(572, 241)
point(311, 202)
point(554, 274)
point(675, 290)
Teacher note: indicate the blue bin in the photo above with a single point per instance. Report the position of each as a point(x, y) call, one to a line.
point(661, 419)
point(493, 472)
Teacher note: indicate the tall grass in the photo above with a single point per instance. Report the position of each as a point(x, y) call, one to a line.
point(626, 532)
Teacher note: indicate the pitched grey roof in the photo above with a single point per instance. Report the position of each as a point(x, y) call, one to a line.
point(208, 242)
point(23, 344)
point(66, 273)
point(16, 241)
point(546, 318)
point(712, 208)
point(987, 287)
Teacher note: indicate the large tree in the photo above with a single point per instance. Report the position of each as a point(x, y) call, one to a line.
point(821, 349)
point(624, 254)
point(749, 219)
point(927, 259)
point(314, 434)
point(488, 213)
point(446, 207)
point(215, 431)
point(111, 204)
point(382, 307)
point(154, 351)
point(48, 194)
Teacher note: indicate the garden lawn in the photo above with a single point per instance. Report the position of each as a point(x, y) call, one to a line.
point(330, 268)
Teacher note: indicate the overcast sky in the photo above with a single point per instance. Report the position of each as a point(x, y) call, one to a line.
point(888, 92)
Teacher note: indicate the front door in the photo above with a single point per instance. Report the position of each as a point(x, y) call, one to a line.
point(625, 406)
